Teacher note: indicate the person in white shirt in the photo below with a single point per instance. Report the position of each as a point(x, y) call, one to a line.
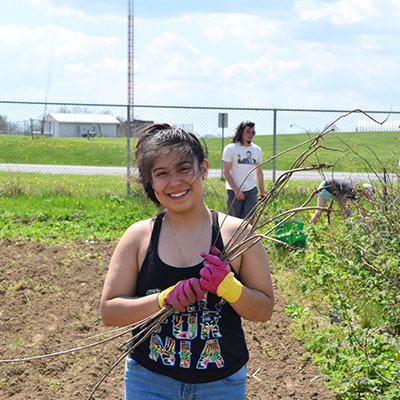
point(239, 158)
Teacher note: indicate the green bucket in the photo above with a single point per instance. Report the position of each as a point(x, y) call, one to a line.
point(291, 232)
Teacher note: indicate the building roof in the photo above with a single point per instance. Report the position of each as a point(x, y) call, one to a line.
point(83, 118)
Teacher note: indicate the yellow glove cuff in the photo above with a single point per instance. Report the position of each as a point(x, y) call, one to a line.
point(161, 296)
point(230, 288)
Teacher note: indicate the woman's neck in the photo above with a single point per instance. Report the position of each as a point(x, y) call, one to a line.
point(188, 219)
point(185, 237)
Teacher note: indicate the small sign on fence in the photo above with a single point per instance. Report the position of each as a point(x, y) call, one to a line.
point(222, 120)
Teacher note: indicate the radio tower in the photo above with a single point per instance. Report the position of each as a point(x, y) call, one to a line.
point(130, 53)
point(130, 116)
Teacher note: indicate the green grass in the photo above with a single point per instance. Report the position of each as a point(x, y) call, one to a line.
point(374, 146)
point(69, 207)
point(68, 151)
point(44, 185)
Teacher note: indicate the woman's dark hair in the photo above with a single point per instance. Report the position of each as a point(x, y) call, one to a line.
point(238, 137)
point(159, 139)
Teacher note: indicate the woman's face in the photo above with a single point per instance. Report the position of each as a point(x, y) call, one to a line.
point(177, 181)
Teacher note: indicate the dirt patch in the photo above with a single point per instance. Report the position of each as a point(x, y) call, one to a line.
point(49, 295)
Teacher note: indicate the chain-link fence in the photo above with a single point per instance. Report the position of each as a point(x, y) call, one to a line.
point(371, 137)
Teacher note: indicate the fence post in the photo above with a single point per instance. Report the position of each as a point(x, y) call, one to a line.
point(222, 123)
point(274, 148)
point(31, 126)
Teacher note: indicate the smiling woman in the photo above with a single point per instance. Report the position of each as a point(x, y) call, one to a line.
point(172, 259)
point(182, 150)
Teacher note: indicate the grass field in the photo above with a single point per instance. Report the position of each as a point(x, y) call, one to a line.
point(353, 149)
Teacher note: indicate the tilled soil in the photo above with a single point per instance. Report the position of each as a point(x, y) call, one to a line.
point(49, 295)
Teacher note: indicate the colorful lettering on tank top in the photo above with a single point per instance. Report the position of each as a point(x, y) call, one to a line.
point(186, 327)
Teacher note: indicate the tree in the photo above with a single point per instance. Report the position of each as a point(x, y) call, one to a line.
point(3, 124)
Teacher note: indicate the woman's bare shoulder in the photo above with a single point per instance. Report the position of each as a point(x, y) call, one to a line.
point(141, 225)
point(139, 231)
point(134, 242)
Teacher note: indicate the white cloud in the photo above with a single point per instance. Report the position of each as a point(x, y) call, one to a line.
point(214, 32)
point(60, 42)
point(77, 69)
point(176, 56)
point(167, 41)
point(39, 3)
point(209, 66)
point(369, 42)
point(262, 69)
point(65, 11)
point(250, 30)
point(107, 66)
point(338, 12)
point(69, 12)
point(172, 56)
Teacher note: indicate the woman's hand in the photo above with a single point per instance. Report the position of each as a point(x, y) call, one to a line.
point(217, 277)
point(181, 295)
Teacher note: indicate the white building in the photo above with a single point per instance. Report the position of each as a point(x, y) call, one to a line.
point(80, 125)
point(371, 126)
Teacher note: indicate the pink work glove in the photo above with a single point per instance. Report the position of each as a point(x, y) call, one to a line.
point(181, 295)
point(217, 277)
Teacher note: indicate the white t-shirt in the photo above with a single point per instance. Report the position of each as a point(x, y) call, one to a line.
point(243, 159)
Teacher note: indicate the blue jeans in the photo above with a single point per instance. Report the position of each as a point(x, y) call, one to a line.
point(142, 384)
point(242, 208)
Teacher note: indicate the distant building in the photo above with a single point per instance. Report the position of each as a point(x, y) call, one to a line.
point(371, 126)
point(80, 125)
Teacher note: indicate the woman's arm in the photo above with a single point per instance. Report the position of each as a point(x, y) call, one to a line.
point(256, 301)
point(119, 306)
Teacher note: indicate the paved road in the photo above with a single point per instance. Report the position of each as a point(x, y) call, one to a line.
point(213, 173)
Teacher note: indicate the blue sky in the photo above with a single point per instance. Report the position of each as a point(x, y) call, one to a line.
point(339, 54)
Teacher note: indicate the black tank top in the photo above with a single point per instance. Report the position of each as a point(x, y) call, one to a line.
point(204, 344)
